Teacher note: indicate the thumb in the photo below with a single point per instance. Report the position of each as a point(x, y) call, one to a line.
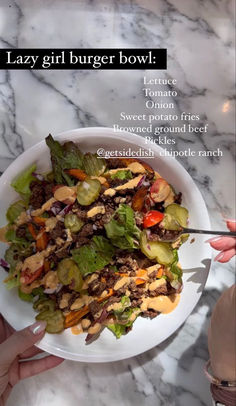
point(231, 224)
point(21, 341)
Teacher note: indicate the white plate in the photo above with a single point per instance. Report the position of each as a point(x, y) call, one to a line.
point(195, 258)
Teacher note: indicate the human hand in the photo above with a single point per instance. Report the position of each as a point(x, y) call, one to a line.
point(15, 347)
point(227, 245)
point(221, 336)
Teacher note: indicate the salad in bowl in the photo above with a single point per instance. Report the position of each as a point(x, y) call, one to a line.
point(85, 242)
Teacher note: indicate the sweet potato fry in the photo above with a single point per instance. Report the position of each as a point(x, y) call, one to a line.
point(32, 231)
point(46, 265)
point(141, 272)
point(42, 241)
point(140, 281)
point(77, 173)
point(40, 220)
point(159, 272)
point(74, 317)
point(139, 198)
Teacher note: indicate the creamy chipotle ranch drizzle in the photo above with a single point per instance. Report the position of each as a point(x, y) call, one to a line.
point(161, 303)
point(131, 184)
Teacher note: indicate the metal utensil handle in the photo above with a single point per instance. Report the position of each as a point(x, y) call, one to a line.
point(193, 231)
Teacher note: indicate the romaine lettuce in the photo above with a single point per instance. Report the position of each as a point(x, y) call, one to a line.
point(122, 174)
point(14, 281)
point(22, 183)
point(94, 256)
point(117, 329)
point(120, 329)
point(15, 210)
point(122, 229)
point(63, 157)
point(124, 303)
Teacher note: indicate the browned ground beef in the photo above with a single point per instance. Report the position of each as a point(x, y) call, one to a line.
point(37, 197)
point(126, 192)
point(117, 182)
point(114, 163)
point(110, 276)
point(143, 262)
point(62, 253)
point(159, 207)
point(81, 241)
point(86, 231)
point(94, 307)
point(178, 198)
point(21, 231)
point(48, 190)
point(82, 214)
point(157, 233)
point(58, 231)
point(40, 193)
point(150, 313)
point(96, 288)
point(150, 175)
point(162, 290)
point(136, 303)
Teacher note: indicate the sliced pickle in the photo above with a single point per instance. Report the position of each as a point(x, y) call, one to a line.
point(69, 274)
point(44, 304)
point(169, 223)
point(178, 213)
point(73, 222)
point(88, 191)
point(54, 319)
point(93, 165)
point(161, 251)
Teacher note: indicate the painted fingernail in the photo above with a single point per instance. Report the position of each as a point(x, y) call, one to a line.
point(213, 239)
point(38, 327)
point(219, 256)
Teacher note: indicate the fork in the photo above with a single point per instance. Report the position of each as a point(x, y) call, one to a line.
point(185, 230)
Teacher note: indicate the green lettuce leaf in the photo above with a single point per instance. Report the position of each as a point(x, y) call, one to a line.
point(175, 269)
point(15, 210)
point(27, 297)
point(16, 252)
point(122, 229)
point(126, 174)
point(13, 282)
point(12, 237)
point(117, 329)
point(94, 256)
point(22, 183)
point(124, 303)
point(66, 156)
point(120, 329)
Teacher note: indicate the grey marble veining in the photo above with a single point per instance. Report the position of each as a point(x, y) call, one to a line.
point(199, 36)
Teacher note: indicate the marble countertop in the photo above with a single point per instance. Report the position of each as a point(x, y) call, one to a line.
point(199, 38)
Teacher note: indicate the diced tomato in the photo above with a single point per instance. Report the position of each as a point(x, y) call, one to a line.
point(152, 217)
point(159, 190)
point(27, 277)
